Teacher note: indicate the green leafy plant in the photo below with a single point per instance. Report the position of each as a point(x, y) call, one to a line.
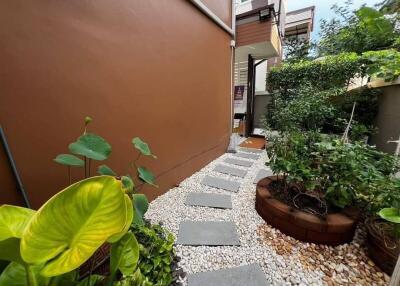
point(64, 232)
point(156, 253)
point(338, 172)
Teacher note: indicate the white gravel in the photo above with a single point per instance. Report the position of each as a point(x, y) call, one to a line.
point(171, 210)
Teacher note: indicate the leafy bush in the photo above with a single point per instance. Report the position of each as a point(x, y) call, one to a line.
point(326, 73)
point(383, 64)
point(156, 253)
point(327, 167)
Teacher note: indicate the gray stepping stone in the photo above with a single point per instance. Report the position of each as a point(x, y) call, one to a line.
point(238, 162)
point(251, 150)
point(221, 184)
point(248, 275)
point(230, 171)
point(209, 200)
point(262, 174)
point(212, 233)
point(247, 156)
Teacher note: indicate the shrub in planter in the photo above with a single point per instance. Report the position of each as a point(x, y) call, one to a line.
point(326, 168)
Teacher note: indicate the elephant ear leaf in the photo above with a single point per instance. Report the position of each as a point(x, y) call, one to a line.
point(142, 146)
point(141, 204)
point(73, 224)
point(124, 255)
point(129, 219)
point(15, 274)
point(13, 221)
point(91, 146)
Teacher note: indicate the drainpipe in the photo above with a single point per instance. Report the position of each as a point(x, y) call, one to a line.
point(14, 168)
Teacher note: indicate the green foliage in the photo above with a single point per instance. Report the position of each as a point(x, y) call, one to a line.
point(91, 146)
point(69, 243)
point(156, 253)
point(365, 29)
point(124, 255)
point(147, 176)
point(325, 165)
point(142, 146)
point(105, 170)
point(141, 205)
point(63, 233)
point(323, 74)
point(383, 64)
point(390, 214)
point(69, 160)
point(296, 49)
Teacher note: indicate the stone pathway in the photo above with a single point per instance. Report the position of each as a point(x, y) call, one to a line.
point(221, 239)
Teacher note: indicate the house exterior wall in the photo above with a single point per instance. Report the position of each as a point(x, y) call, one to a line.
point(129, 65)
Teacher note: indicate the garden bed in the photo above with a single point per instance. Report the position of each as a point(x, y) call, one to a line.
point(334, 229)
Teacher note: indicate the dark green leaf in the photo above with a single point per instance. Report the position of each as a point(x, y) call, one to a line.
point(105, 170)
point(69, 160)
point(91, 146)
point(142, 146)
point(124, 255)
point(141, 205)
point(147, 176)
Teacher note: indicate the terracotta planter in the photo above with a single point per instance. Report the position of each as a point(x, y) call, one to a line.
point(383, 256)
point(335, 229)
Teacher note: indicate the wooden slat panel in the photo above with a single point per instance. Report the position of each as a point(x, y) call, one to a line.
point(254, 32)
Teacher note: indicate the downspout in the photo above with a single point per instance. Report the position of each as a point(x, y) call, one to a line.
point(14, 168)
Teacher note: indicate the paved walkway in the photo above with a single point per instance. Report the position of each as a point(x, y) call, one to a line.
point(221, 238)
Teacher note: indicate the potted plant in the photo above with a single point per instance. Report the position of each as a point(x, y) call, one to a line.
point(314, 196)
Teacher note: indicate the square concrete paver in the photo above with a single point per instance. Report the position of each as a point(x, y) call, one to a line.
point(251, 150)
point(212, 233)
point(238, 162)
point(230, 171)
point(247, 156)
point(262, 174)
point(209, 200)
point(248, 275)
point(221, 184)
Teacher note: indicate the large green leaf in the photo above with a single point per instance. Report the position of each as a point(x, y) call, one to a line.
point(141, 205)
point(15, 275)
point(69, 160)
point(129, 218)
point(147, 176)
point(105, 170)
point(142, 146)
point(390, 214)
point(74, 223)
point(13, 221)
point(124, 255)
point(91, 146)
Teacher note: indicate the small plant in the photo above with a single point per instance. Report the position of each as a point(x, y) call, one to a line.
point(156, 253)
point(392, 215)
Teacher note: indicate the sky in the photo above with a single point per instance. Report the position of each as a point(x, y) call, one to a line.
point(322, 9)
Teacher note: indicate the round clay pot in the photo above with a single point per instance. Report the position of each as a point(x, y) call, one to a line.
point(334, 229)
point(383, 255)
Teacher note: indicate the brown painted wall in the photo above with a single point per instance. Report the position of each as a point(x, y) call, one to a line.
point(158, 69)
